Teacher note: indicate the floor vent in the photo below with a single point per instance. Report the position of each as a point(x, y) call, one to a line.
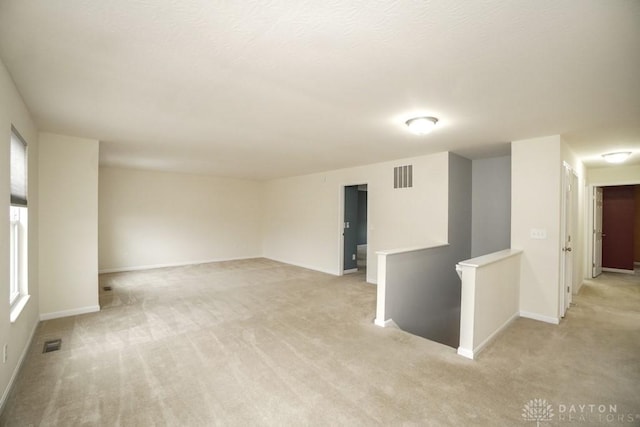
point(107, 288)
point(52, 345)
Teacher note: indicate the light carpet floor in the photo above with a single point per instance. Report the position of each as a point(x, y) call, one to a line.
point(257, 342)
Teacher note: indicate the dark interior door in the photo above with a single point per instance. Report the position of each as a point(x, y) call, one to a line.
point(618, 214)
point(350, 227)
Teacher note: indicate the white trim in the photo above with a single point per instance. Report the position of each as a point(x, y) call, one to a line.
point(381, 291)
point(72, 312)
point(464, 352)
point(618, 270)
point(383, 323)
point(396, 251)
point(308, 267)
point(17, 307)
point(177, 264)
point(491, 258)
point(351, 270)
point(590, 201)
point(483, 344)
point(540, 317)
point(16, 371)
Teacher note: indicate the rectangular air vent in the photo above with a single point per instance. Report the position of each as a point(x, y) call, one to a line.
point(403, 176)
point(107, 288)
point(52, 345)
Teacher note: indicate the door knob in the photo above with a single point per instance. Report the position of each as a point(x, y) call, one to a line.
point(568, 249)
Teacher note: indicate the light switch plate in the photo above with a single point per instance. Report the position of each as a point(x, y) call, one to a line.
point(538, 233)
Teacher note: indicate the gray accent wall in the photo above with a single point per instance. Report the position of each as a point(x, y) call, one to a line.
point(491, 205)
point(362, 216)
point(460, 206)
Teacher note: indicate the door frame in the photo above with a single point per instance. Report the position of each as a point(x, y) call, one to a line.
point(341, 223)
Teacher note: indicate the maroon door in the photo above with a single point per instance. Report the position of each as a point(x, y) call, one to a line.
point(618, 215)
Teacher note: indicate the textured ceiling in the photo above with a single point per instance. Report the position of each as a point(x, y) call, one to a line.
point(263, 89)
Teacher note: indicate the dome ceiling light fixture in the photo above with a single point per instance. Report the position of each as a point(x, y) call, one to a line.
point(421, 125)
point(618, 157)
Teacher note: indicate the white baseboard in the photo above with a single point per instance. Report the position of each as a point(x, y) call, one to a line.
point(540, 317)
point(16, 371)
point(470, 354)
point(350, 271)
point(383, 323)
point(177, 264)
point(72, 312)
point(308, 267)
point(617, 270)
point(465, 352)
point(487, 340)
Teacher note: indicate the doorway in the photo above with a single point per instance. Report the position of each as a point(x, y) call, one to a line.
point(354, 228)
point(616, 229)
point(618, 214)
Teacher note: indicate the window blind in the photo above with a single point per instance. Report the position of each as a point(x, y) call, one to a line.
point(18, 169)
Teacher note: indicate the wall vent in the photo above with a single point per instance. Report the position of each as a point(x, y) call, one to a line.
point(107, 288)
point(52, 345)
point(403, 176)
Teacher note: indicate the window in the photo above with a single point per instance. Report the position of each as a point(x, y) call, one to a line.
point(18, 215)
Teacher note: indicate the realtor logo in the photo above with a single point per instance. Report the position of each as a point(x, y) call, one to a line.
point(537, 410)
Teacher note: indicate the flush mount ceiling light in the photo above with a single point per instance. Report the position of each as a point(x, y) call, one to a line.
point(616, 157)
point(421, 125)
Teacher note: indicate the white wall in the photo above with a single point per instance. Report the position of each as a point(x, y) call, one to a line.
point(535, 194)
point(491, 205)
point(16, 335)
point(68, 225)
point(303, 224)
point(155, 218)
point(614, 175)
